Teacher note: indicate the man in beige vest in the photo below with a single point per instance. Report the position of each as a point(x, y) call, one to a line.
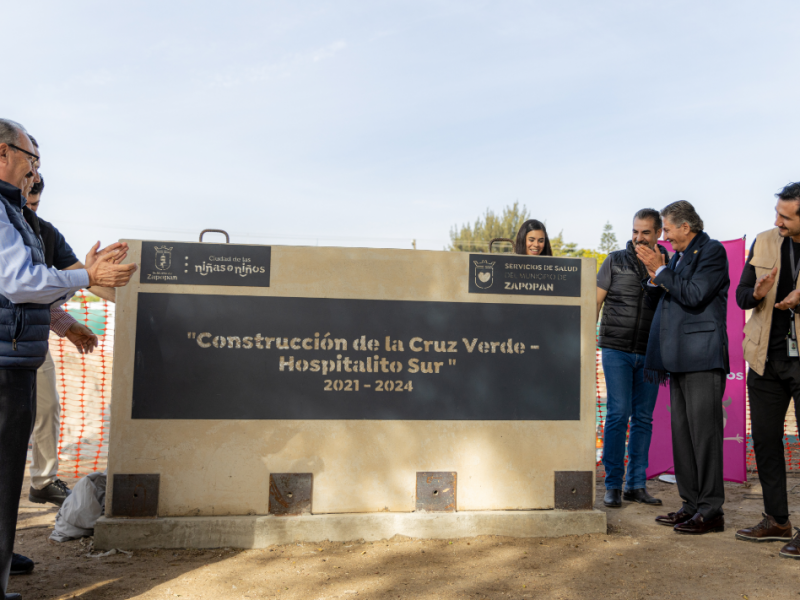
point(769, 287)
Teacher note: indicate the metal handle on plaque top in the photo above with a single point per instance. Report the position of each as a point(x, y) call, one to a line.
point(222, 231)
point(499, 240)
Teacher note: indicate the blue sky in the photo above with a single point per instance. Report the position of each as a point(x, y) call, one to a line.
point(374, 123)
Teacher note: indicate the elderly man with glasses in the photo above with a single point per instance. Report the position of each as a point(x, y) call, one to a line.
point(27, 289)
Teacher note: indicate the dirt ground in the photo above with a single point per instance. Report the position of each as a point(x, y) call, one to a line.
point(636, 559)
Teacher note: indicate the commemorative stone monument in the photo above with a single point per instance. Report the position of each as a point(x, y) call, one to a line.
point(264, 395)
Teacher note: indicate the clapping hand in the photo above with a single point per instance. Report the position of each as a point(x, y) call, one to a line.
point(764, 284)
point(652, 258)
point(104, 269)
point(118, 251)
point(791, 301)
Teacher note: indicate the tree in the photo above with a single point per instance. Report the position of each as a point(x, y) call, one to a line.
point(562, 248)
point(599, 256)
point(608, 241)
point(476, 238)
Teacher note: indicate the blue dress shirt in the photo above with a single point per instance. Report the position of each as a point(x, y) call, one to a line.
point(21, 281)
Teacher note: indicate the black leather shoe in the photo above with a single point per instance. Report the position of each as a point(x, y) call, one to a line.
point(13, 597)
point(613, 498)
point(674, 518)
point(55, 493)
point(20, 565)
point(697, 525)
point(641, 496)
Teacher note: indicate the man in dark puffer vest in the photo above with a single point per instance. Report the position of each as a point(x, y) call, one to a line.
point(27, 289)
point(624, 332)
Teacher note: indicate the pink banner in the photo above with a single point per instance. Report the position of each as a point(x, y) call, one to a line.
point(733, 404)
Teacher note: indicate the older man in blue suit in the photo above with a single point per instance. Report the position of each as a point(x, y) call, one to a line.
point(689, 345)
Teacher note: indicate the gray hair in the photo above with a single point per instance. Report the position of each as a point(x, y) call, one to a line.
point(681, 212)
point(10, 131)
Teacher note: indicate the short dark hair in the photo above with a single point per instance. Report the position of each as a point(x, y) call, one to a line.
point(649, 213)
point(791, 191)
point(681, 212)
point(527, 226)
point(37, 187)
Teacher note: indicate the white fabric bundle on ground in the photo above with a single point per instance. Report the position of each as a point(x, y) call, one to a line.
point(79, 513)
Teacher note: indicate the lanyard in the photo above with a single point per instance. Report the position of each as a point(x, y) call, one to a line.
point(795, 270)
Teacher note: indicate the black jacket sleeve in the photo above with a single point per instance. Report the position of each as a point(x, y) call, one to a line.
point(57, 251)
point(744, 292)
point(652, 294)
point(63, 256)
point(709, 274)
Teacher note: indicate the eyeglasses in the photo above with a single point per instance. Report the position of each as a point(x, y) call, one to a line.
point(36, 160)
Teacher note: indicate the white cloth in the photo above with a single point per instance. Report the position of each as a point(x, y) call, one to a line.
point(77, 516)
point(44, 453)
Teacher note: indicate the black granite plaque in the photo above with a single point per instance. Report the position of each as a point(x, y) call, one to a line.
point(181, 263)
point(529, 275)
point(245, 357)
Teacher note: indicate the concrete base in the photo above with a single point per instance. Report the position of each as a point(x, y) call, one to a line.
point(263, 531)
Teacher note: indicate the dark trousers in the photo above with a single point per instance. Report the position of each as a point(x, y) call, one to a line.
point(17, 414)
point(696, 412)
point(769, 401)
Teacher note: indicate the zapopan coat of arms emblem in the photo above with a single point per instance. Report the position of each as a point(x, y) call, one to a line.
point(163, 258)
point(484, 274)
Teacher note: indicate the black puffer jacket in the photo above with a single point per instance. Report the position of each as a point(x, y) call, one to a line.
point(24, 328)
point(626, 317)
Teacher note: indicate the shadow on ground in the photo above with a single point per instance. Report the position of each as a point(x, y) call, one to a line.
point(636, 559)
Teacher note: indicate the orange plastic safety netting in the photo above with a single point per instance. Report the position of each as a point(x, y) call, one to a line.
point(83, 382)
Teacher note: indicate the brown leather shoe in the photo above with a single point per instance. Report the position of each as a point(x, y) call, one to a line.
point(792, 549)
point(768, 530)
point(697, 525)
point(674, 518)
